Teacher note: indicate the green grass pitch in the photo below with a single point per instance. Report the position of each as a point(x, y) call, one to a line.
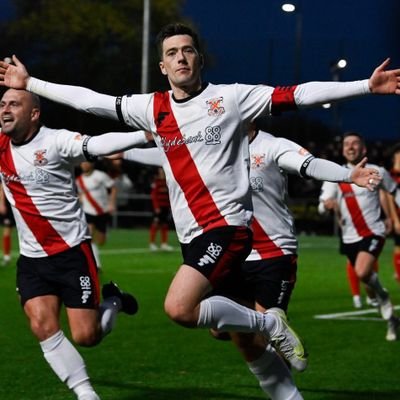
point(149, 357)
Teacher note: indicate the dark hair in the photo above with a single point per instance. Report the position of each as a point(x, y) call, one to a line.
point(351, 133)
point(35, 100)
point(173, 30)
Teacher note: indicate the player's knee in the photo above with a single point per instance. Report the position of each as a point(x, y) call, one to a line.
point(180, 314)
point(42, 330)
point(86, 338)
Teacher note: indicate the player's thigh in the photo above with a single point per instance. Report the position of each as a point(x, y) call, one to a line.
point(186, 291)
point(364, 264)
point(84, 325)
point(43, 313)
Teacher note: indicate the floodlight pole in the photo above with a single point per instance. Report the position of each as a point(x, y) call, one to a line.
point(145, 47)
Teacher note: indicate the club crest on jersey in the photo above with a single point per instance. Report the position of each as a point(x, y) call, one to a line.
point(215, 107)
point(257, 160)
point(40, 158)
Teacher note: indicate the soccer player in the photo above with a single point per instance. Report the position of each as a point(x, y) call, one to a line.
point(363, 229)
point(270, 270)
point(97, 193)
point(202, 130)
point(395, 212)
point(56, 265)
point(8, 224)
point(161, 212)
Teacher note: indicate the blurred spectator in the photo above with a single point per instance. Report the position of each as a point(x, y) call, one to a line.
point(8, 224)
point(162, 212)
point(97, 193)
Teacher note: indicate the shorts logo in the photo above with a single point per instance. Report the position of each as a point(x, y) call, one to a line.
point(373, 245)
point(86, 288)
point(211, 255)
point(284, 289)
point(215, 107)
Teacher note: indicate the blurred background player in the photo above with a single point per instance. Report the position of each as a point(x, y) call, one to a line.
point(395, 211)
point(122, 182)
point(97, 193)
point(161, 212)
point(354, 281)
point(363, 229)
point(8, 224)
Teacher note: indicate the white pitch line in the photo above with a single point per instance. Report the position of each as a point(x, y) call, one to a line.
point(351, 314)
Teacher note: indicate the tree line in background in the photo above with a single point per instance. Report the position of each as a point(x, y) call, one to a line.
point(92, 43)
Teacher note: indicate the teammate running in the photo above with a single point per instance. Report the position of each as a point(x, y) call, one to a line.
point(270, 270)
point(363, 230)
point(56, 265)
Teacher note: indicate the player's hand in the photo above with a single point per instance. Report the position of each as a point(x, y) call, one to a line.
point(388, 226)
point(115, 156)
point(330, 204)
point(385, 82)
point(365, 177)
point(149, 136)
point(13, 75)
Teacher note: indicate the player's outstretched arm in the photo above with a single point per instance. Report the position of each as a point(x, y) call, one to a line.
point(13, 76)
point(83, 99)
point(385, 81)
point(365, 177)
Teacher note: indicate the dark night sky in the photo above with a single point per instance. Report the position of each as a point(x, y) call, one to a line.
point(253, 41)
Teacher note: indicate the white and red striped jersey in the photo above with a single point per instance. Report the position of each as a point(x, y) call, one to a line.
point(94, 189)
point(205, 151)
point(273, 224)
point(38, 180)
point(359, 209)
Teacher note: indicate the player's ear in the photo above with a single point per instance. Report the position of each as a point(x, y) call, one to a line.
point(162, 68)
point(35, 114)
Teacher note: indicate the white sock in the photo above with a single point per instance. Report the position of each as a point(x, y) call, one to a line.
point(96, 254)
point(109, 309)
point(224, 314)
point(66, 362)
point(274, 376)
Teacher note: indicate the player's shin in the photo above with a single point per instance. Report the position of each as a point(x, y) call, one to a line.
point(274, 376)
point(66, 362)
